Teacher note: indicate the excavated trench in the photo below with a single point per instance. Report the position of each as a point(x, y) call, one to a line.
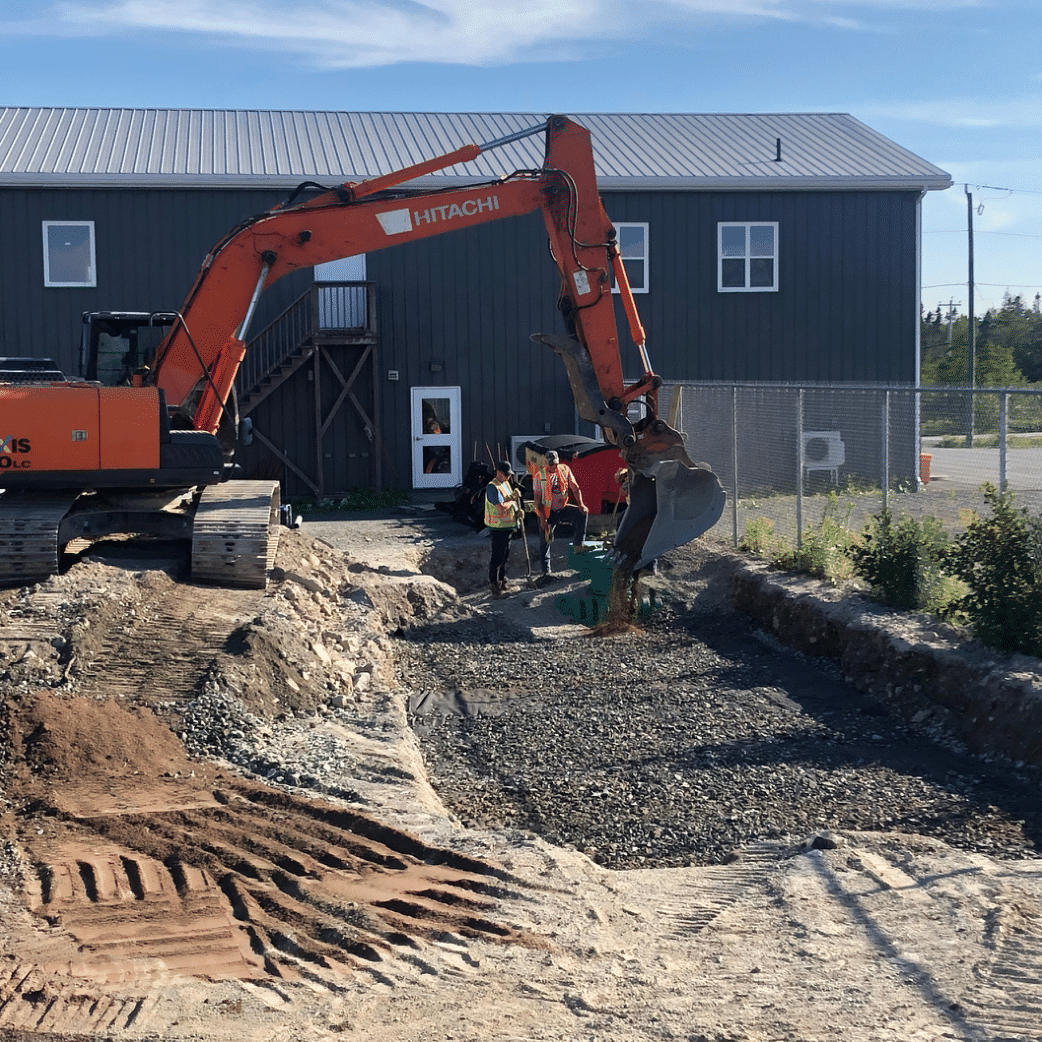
point(173, 758)
point(924, 670)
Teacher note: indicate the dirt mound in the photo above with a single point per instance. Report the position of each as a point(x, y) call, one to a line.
point(75, 738)
point(216, 826)
point(134, 857)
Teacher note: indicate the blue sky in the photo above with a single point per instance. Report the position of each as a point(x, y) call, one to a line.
point(959, 82)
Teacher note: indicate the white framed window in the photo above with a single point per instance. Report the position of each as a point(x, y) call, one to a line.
point(747, 257)
point(68, 253)
point(633, 247)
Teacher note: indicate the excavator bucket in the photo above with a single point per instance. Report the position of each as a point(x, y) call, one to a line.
point(670, 500)
point(667, 508)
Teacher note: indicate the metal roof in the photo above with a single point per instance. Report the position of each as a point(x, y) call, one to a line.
point(244, 147)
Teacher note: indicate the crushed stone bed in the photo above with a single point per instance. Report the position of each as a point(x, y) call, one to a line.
point(678, 745)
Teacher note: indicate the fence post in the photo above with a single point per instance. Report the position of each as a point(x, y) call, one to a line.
point(734, 461)
point(886, 447)
point(799, 469)
point(1003, 430)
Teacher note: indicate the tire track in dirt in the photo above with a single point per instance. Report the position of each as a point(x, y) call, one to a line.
point(697, 903)
point(261, 885)
point(1010, 1003)
point(159, 648)
point(33, 1000)
point(154, 867)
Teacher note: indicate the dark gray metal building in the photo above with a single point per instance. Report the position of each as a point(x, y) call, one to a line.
point(762, 247)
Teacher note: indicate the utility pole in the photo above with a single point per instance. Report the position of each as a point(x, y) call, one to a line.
point(973, 326)
point(952, 305)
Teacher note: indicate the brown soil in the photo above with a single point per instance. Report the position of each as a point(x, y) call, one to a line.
point(148, 894)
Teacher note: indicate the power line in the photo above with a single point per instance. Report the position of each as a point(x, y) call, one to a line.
point(992, 285)
point(995, 188)
point(978, 231)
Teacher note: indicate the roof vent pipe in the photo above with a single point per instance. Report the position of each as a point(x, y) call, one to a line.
point(777, 150)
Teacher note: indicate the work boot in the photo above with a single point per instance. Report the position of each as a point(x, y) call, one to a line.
point(505, 588)
point(495, 590)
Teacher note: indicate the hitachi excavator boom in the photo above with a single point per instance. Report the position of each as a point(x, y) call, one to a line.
point(83, 453)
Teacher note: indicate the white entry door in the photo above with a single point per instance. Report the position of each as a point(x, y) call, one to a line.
point(436, 455)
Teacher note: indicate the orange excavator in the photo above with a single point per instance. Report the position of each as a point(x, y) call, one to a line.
point(145, 445)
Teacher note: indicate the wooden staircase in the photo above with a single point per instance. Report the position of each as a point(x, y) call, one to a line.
point(314, 331)
point(290, 341)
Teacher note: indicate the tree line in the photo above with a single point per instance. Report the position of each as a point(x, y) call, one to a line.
point(1007, 349)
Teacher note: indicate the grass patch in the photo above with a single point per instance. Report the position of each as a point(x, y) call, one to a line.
point(991, 441)
point(823, 549)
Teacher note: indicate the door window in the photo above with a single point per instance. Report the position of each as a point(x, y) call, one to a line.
point(436, 437)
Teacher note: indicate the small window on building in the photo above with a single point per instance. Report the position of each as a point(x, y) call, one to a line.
point(747, 257)
point(68, 253)
point(633, 246)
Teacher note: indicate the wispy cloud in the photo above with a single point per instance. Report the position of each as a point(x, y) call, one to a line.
point(369, 33)
point(968, 113)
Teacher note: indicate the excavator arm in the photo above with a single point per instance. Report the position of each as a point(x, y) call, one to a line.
point(671, 500)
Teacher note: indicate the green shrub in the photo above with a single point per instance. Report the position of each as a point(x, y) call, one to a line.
point(901, 561)
point(823, 548)
point(356, 499)
point(1000, 560)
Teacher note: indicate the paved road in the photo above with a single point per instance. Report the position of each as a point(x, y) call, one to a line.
point(970, 468)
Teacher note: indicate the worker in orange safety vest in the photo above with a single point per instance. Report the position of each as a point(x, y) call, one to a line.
point(557, 497)
point(502, 511)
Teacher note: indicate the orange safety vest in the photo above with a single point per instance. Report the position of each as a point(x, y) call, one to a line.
point(553, 488)
point(500, 515)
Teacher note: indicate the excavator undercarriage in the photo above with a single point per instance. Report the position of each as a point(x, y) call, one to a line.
point(233, 528)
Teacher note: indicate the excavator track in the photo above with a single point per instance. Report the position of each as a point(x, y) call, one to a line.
point(235, 534)
point(29, 525)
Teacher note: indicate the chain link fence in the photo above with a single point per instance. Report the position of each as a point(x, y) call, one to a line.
point(780, 450)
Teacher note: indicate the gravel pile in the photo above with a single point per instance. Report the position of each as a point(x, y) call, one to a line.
point(292, 753)
point(679, 745)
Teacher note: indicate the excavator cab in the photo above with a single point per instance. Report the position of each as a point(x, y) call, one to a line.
point(117, 344)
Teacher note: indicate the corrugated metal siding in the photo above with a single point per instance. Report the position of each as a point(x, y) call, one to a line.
point(149, 247)
point(238, 146)
point(845, 309)
point(467, 303)
point(470, 301)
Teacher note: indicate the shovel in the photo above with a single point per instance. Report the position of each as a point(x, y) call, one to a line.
point(530, 579)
